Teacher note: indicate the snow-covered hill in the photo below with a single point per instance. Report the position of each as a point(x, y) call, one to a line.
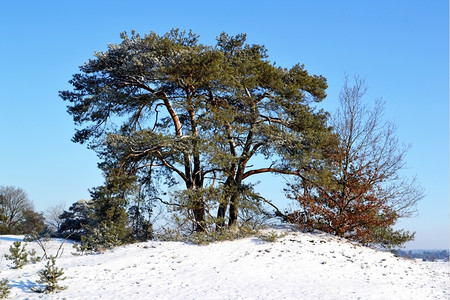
point(296, 266)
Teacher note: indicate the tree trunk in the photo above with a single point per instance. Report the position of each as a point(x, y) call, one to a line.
point(197, 206)
point(234, 205)
point(235, 196)
point(221, 211)
point(199, 215)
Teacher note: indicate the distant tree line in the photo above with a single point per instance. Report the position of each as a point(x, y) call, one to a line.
point(425, 255)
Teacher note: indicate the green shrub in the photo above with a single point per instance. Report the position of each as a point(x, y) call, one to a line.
point(50, 277)
point(5, 288)
point(205, 238)
point(19, 255)
point(271, 236)
point(389, 238)
point(99, 239)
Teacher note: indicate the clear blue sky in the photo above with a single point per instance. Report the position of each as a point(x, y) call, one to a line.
point(400, 47)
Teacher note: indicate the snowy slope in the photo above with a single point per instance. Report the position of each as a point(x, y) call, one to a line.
point(296, 266)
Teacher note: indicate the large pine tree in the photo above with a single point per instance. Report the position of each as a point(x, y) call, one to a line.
point(168, 108)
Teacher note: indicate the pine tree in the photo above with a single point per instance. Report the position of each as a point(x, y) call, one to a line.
point(5, 288)
point(50, 277)
point(20, 256)
point(198, 114)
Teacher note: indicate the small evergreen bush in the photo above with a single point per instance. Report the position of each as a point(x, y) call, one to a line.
point(389, 238)
point(99, 239)
point(5, 288)
point(19, 255)
point(271, 236)
point(50, 276)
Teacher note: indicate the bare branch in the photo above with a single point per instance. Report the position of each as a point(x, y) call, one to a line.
point(170, 166)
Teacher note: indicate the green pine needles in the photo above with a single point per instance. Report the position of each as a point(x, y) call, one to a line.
point(5, 288)
point(50, 277)
point(194, 114)
point(20, 256)
point(103, 237)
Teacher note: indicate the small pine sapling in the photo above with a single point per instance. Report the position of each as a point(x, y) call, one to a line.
point(4, 288)
point(19, 255)
point(50, 276)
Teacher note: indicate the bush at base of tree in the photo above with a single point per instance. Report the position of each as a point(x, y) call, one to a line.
point(389, 238)
point(205, 238)
point(75, 219)
point(98, 239)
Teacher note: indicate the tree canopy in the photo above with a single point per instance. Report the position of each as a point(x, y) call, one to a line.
point(169, 109)
point(360, 193)
point(17, 213)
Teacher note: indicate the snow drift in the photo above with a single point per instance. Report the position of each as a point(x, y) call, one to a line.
point(296, 266)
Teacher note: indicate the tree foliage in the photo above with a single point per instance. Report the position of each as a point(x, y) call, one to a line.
point(17, 214)
point(20, 256)
point(358, 192)
point(75, 219)
point(32, 222)
point(50, 277)
point(116, 214)
point(169, 109)
point(5, 288)
point(110, 206)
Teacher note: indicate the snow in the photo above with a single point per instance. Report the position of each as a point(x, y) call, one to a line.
point(296, 266)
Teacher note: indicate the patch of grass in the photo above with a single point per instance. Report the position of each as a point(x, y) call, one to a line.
point(205, 238)
point(271, 236)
